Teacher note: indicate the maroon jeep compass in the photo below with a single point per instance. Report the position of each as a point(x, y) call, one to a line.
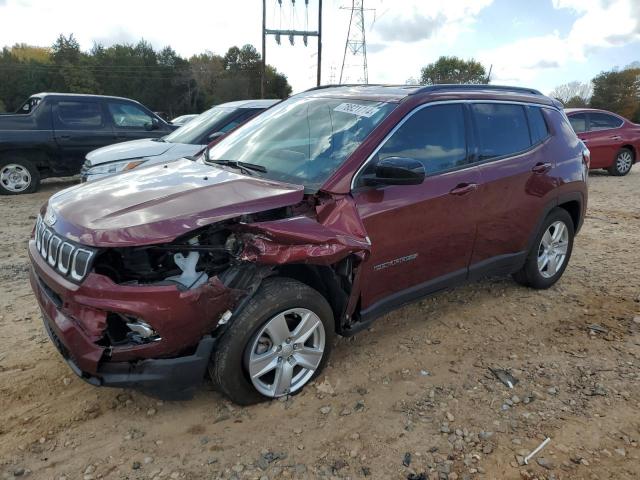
point(330, 209)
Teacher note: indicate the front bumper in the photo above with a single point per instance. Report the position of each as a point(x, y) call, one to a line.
point(75, 319)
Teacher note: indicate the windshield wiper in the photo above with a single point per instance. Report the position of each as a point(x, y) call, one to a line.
point(244, 167)
point(159, 139)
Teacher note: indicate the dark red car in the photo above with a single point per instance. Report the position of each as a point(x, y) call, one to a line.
point(329, 210)
point(614, 141)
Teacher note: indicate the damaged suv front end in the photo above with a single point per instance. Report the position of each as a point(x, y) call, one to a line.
point(140, 275)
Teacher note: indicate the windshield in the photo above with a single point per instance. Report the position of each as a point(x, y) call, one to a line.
point(303, 140)
point(194, 131)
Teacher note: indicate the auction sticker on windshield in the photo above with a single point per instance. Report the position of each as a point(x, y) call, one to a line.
point(356, 109)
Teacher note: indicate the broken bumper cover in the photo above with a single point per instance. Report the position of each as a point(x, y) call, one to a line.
point(74, 317)
point(167, 378)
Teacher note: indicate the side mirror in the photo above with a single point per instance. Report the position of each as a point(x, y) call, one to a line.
point(397, 171)
point(154, 125)
point(215, 135)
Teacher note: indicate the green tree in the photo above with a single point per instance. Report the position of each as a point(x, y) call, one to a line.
point(619, 92)
point(453, 70)
point(73, 71)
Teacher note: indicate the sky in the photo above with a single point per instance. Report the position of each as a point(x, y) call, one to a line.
point(533, 43)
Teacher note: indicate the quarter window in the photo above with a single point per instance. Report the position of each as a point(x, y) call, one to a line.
point(602, 121)
point(502, 129)
point(129, 116)
point(578, 122)
point(434, 135)
point(79, 115)
point(537, 125)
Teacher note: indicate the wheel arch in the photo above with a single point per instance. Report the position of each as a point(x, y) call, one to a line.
point(325, 280)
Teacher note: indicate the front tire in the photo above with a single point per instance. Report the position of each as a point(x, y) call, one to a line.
point(18, 176)
point(278, 343)
point(622, 164)
point(550, 253)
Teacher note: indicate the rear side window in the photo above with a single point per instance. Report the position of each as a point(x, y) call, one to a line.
point(434, 135)
point(537, 125)
point(578, 122)
point(79, 115)
point(602, 121)
point(126, 115)
point(502, 129)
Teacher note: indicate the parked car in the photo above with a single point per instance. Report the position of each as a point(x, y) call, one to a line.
point(54, 132)
point(183, 119)
point(614, 141)
point(328, 210)
point(187, 140)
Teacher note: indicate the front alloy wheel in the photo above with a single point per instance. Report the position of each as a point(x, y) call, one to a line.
point(286, 352)
point(279, 341)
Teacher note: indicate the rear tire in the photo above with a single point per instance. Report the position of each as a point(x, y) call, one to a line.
point(622, 164)
point(249, 344)
point(17, 176)
point(550, 252)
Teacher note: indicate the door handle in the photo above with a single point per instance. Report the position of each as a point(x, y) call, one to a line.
point(65, 137)
point(541, 168)
point(464, 188)
point(616, 137)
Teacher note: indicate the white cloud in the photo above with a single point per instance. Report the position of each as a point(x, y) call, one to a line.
point(600, 24)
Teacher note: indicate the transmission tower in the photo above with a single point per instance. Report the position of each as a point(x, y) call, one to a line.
point(356, 43)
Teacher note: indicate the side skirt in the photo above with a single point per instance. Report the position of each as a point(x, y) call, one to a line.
point(500, 265)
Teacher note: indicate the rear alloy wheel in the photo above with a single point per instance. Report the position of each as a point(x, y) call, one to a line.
point(622, 164)
point(278, 342)
point(550, 252)
point(18, 176)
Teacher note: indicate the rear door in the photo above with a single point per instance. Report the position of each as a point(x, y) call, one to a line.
point(515, 182)
point(421, 235)
point(603, 138)
point(80, 126)
point(131, 122)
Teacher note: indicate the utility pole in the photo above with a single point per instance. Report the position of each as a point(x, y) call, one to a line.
point(292, 33)
point(263, 72)
point(356, 42)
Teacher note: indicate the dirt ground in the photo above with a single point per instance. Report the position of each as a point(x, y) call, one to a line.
point(410, 398)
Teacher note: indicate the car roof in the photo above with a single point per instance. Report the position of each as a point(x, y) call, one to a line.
point(397, 93)
point(259, 103)
point(585, 109)
point(84, 95)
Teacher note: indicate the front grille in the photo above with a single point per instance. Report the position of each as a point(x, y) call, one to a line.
point(69, 259)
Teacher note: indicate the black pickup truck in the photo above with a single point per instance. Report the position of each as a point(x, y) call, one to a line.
point(51, 133)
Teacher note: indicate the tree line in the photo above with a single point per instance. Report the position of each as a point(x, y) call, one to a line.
point(160, 79)
point(617, 90)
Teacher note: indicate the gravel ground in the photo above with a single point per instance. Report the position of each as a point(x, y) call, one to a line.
point(411, 398)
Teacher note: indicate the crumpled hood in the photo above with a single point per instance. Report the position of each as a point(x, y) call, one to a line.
point(144, 147)
point(156, 204)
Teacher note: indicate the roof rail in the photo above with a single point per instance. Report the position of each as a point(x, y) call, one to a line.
point(321, 87)
point(467, 86)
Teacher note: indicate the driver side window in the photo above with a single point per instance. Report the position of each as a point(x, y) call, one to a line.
point(434, 135)
point(129, 116)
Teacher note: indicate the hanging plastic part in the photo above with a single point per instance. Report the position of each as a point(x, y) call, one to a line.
point(189, 278)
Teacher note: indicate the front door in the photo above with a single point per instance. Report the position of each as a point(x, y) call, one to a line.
point(421, 235)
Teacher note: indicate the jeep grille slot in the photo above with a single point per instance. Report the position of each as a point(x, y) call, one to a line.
point(69, 259)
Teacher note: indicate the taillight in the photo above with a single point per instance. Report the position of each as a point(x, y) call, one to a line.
point(586, 157)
